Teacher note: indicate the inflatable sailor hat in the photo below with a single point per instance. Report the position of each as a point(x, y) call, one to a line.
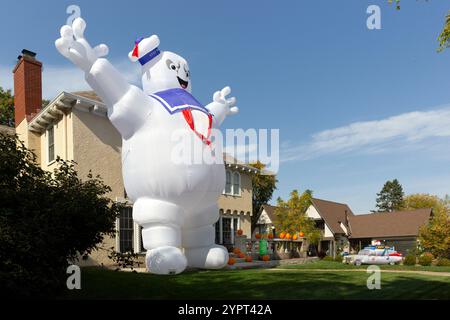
point(145, 50)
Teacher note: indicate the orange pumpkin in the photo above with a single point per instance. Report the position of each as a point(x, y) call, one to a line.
point(294, 237)
point(270, 236)
point(288, 236)
point(236, 250)
point(282, 235)
point(241, 255)
point(231, 261)
point(265, 258)
point(258, 236)
point(301, 234)
point(248, 259)
point(240, 232)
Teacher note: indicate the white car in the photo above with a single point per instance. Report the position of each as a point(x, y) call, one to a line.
point(367, 256)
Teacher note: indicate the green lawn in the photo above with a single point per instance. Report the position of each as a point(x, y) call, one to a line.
point(321, 264)
point(256, 284)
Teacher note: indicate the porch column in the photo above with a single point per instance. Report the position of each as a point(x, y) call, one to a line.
point(117, 238)
point(136, 238)
point(232, 230)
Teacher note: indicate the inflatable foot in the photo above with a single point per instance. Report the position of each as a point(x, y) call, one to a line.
point(213, 257)
point(165, 260)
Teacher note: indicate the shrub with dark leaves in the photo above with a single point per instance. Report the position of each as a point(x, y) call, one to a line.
point(46, 220)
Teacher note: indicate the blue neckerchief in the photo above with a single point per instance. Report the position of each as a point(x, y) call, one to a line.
point(175, 100)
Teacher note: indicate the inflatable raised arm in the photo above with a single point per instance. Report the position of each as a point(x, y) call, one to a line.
point(127, 105)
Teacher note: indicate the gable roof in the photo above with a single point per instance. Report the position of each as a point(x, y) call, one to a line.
point(231, 162)
point(388, 224)
point(270, 210)
point(62, 103)
point(88, 94)
point(333, 213)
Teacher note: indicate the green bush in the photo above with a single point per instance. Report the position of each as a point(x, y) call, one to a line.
point(426, 259)
point(46, 220)
point(338, 258)
point(410, 260)
point(328, 258)
point(443, 262)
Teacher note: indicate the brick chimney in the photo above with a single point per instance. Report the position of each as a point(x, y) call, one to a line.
point(27, 85)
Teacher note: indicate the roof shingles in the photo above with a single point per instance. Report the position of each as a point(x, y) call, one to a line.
point(333, 213)
point(388, 224)
point(373, 225)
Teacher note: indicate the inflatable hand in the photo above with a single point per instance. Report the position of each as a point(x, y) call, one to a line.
point(221, 106)
point(74, 46)
point(228, 105)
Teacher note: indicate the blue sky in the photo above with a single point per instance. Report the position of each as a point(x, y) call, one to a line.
point(355, 107)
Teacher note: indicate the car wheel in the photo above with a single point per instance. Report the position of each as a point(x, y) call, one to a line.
point(358, 262)
point(392, 263)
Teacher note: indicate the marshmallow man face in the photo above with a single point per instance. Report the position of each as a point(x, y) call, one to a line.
point(169, 71)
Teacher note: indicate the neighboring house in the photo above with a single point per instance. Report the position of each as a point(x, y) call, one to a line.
point(344, 231)
point(265, 222)
point(74, 126)
point(399, 228)
point(330, 218)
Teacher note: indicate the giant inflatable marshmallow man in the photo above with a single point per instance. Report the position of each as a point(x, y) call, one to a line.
point(174, 202)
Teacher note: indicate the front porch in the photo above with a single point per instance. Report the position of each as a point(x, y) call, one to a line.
point(228, 225)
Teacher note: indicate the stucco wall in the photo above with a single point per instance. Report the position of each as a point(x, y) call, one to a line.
point(30, 139)
point(246, 225)
point(97, 146)
point(328, 232)
point(312, 212)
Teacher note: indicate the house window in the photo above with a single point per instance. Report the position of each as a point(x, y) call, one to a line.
point(226, 231)
point(233, 183)
point(51, 143)
point(217, 227)
point(236, 184)
point(126, 229)
point(228, 184)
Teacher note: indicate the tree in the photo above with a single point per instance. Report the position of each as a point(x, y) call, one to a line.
point(444, 37)
point(291, 216)
point(263, 187)
point(6, 108)
point(434, 237)
point(421, 200)
point(390, 197)
point(46, 220)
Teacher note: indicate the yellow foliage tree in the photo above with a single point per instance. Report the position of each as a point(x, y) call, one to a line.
point(291, 216)
point(434, 237)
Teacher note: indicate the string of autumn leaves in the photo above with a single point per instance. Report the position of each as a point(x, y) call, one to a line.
point(444, 37)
